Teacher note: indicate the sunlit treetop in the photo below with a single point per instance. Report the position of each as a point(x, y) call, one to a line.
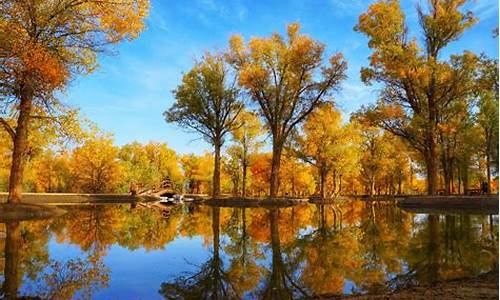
point(44, 42)
point(285, 74)
point(397, 55)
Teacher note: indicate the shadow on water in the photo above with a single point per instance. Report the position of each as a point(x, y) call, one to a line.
point(296, 252)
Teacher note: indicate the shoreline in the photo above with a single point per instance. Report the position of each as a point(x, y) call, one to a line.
point(465, 204)
point(73, 198)
point(484, 286)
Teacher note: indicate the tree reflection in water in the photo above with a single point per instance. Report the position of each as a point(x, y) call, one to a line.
point(280, 282)
point(211, 281)
point(285, 253)
point(54, 279)
point(11, 265)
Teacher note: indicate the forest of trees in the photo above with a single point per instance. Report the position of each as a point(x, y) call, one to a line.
point(267, 106)
point(330, 157)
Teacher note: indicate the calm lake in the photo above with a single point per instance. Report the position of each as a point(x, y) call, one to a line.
point(197, 252)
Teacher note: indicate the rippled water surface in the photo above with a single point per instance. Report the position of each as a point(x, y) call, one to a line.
point(196, 252)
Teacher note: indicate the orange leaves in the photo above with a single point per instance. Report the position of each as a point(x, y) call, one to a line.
point(35, 61)
point(61, 38)
point(392, 111)
point(447, 128)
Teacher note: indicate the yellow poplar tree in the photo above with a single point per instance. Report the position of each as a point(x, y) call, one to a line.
point(288, 80)
point(43, 45)
point(419, 85)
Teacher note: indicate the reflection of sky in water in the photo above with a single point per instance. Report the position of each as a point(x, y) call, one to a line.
point(139, 273)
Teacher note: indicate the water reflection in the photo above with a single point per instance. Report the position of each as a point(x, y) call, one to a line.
point(265, 253)
point(212, 280)
point(11, 265)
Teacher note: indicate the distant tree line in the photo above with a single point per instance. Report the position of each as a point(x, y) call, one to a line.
point(433, 129)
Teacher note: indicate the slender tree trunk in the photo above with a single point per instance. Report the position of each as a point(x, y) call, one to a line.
point(334, 180)
point(488, 170)
point(244, 179)
point(236, 188)
point(411, 178)
point(465, 179)
point(20, 146)
point(275, 168)
point(11, 269)
point(459, 180)
point(340, 183)
point(372, 185)
point(452, 184)
point(446, 175)
point(216, 179)
point(400, 180)
point(322, 180)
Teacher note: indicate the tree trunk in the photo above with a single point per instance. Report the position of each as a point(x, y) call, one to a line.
point(465, 179)
point(20, 146)
point(216, 179)
point(322, 180)
point(459, 180)
point(452, 184)
point(488, 170)
point(236, 188)
point(244, 178)
point(372, 185)
point(340, 183)
point(275, 168)
point(432, 170)
point(400, 179)
point(446, 175)
point(334, 181)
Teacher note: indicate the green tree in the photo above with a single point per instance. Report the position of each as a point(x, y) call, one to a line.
point(147, 165)
point(207, 101)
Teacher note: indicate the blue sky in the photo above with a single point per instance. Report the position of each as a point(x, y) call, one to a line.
point(129, 92)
